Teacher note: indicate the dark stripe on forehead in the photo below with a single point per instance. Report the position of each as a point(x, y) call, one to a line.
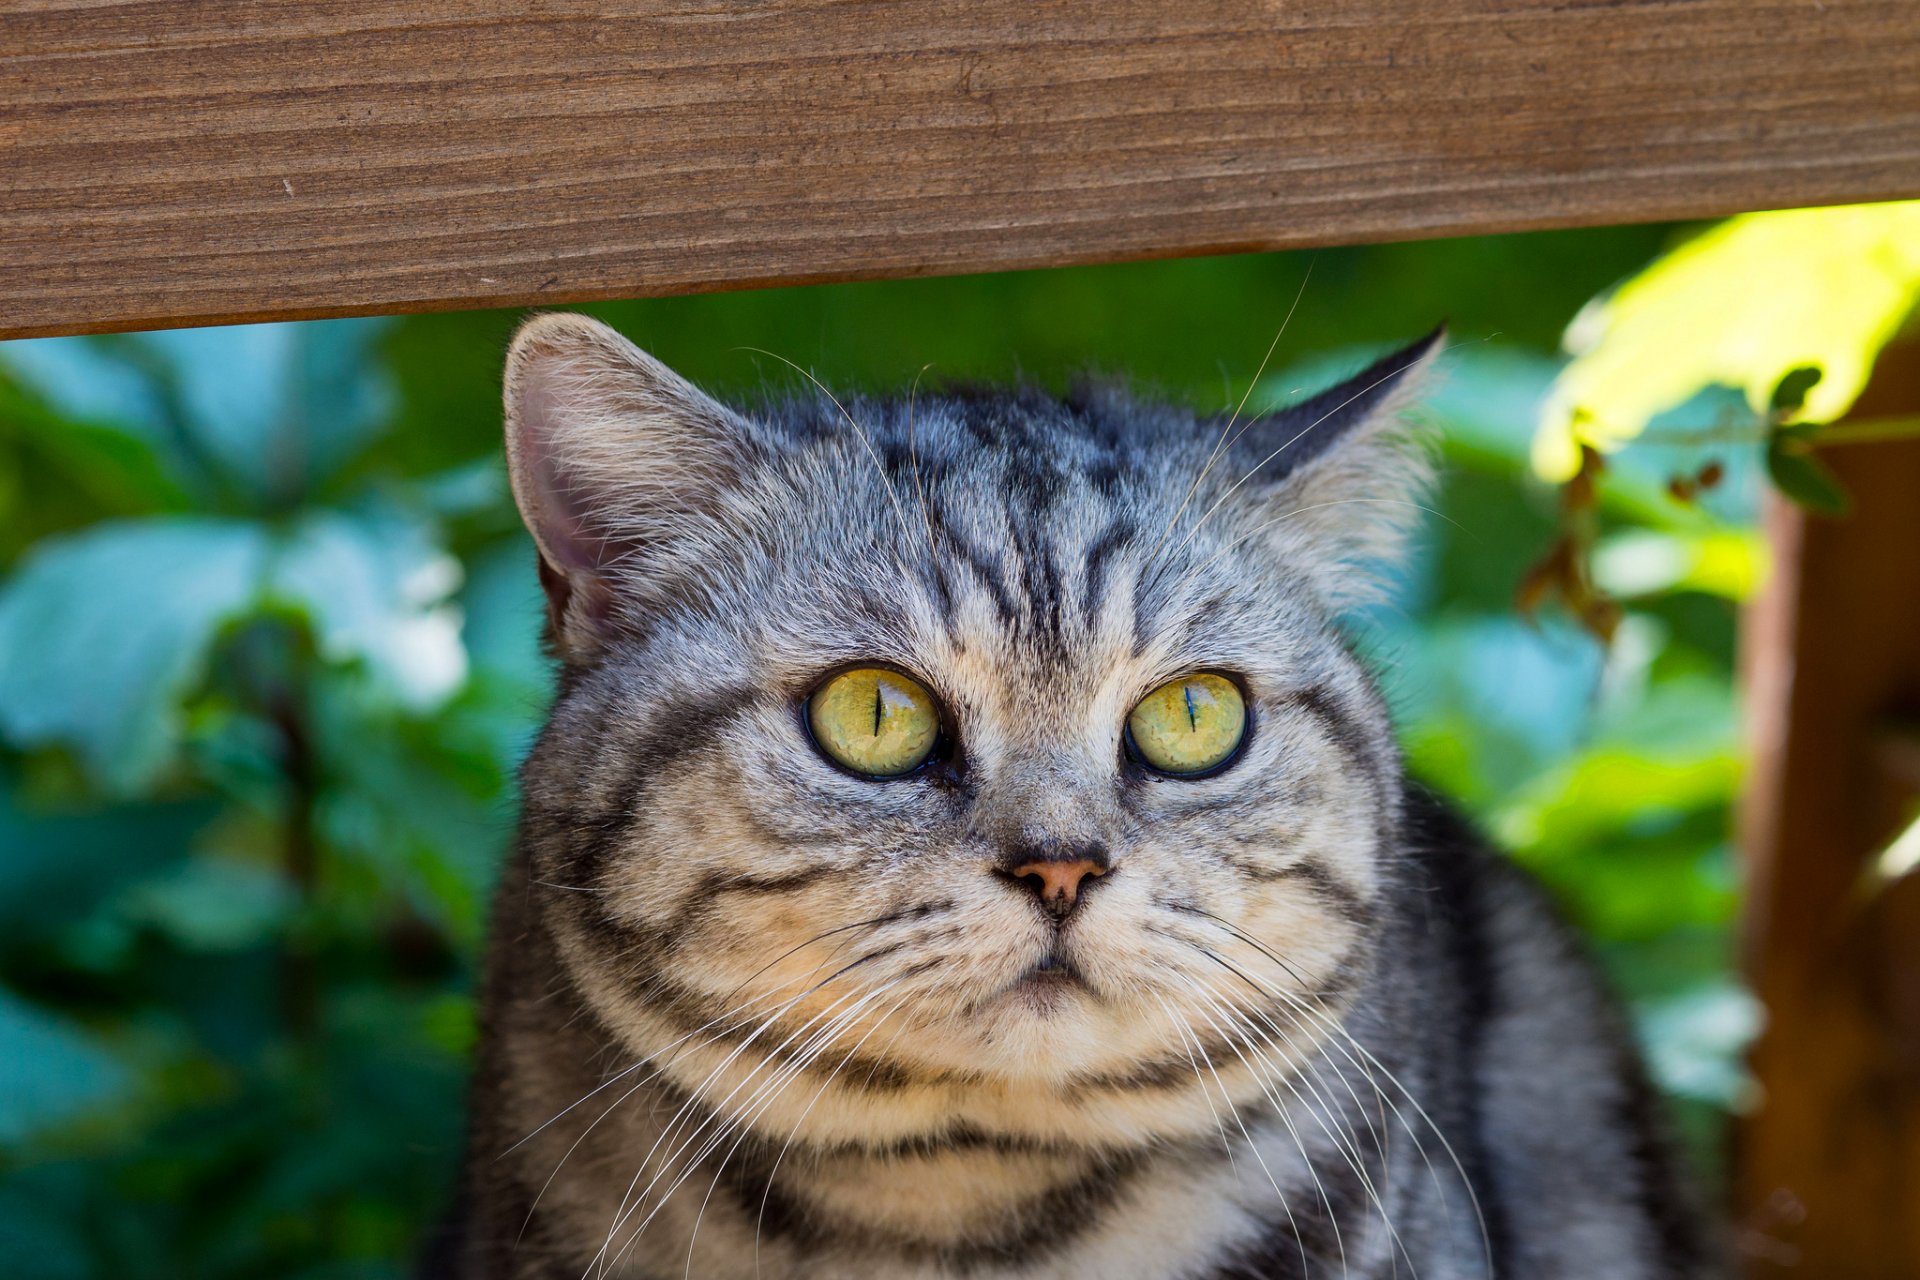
point(936, 578)
point(1040, 581)
point(984, 570)
point(1095, 568)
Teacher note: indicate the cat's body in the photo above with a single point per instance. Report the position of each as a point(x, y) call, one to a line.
point(1032, 1008)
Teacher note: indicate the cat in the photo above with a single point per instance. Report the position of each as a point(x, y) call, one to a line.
point(963, 845)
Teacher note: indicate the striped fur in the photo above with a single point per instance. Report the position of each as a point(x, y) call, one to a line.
point(747, 1015)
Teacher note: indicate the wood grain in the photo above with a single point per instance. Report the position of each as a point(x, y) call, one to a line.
point(173, 162)
point(1829, 1161)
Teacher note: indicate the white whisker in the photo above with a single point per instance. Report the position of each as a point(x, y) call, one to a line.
point(1226, 437)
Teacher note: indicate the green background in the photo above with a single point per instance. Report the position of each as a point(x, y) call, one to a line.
point(268, 659)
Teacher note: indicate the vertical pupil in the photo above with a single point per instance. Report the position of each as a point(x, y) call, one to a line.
point(1193, 719)
point(879, 707)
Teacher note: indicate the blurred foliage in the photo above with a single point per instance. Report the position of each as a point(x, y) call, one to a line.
point(1742, 342)
point(268, 660)
point(1789, 308)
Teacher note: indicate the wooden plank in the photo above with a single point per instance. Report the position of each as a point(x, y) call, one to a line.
point(1828, 1166)
point(170, 162)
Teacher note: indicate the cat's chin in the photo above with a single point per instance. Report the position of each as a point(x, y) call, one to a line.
point(1045, 1026)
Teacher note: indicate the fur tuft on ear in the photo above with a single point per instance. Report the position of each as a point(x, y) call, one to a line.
point(1334, 483)
point(613, 457)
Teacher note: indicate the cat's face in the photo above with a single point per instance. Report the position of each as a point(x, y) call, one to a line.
point(994, 880)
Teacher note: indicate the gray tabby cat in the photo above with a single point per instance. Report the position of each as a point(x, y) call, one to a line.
point(964, 846)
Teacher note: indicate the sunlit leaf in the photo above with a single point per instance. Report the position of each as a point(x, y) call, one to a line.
point(103, 631)
point(1744, 305)
point(1726, 562)
point(1609, 790)
point(1696, 1042)
point(375, 587)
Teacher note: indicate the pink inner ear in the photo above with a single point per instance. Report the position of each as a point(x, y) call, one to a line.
point(564, 530)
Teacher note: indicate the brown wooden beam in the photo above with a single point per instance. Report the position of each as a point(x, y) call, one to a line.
point(173, 162)
point(1828, 1166)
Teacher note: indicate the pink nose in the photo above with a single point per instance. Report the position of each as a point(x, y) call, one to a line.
point(1057, 883)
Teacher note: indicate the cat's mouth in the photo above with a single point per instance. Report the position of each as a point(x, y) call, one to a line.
point(1051, 979)
point(1054, 967)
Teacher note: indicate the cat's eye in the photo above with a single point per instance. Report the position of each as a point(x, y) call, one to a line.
point(1188, 727)
point(874, 721)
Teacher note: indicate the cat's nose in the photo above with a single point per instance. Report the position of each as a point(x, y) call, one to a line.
point(1057, 880)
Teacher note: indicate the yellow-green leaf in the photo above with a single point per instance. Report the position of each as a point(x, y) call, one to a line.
point(1741, 305)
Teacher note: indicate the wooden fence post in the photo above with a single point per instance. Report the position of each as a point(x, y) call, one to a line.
point(179, 164)
point(1827, 1168)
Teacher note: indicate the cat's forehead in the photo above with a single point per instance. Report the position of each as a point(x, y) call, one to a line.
point(1038, 496)
point(1013, 548)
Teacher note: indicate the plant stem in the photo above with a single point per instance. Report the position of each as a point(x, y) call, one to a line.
point(299, 976)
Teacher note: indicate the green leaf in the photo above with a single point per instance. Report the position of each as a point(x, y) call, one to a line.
point(83, 379)
point(374, 586)
point(103, 632)
point(1805, 479)
point(1744, 305)
point(279, 407)
point(213, 904)
point(60, 866)
point(1790, 396)
point(50, 1071)
point(108, 470)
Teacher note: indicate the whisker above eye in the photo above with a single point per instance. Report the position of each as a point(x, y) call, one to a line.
point(866, 441)
point(1227, 435)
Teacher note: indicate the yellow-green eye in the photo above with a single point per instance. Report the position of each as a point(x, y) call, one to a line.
point(874, 721)
point(1189, 725)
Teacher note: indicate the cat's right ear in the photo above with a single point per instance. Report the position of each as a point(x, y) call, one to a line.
point(614, 458)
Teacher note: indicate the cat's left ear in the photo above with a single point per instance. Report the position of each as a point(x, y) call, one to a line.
point(1334, 484)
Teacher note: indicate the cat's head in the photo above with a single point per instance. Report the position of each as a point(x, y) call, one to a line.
point(982, 737)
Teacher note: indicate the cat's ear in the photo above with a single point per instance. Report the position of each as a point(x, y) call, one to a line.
point(1336, 481)
point(613, 457)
